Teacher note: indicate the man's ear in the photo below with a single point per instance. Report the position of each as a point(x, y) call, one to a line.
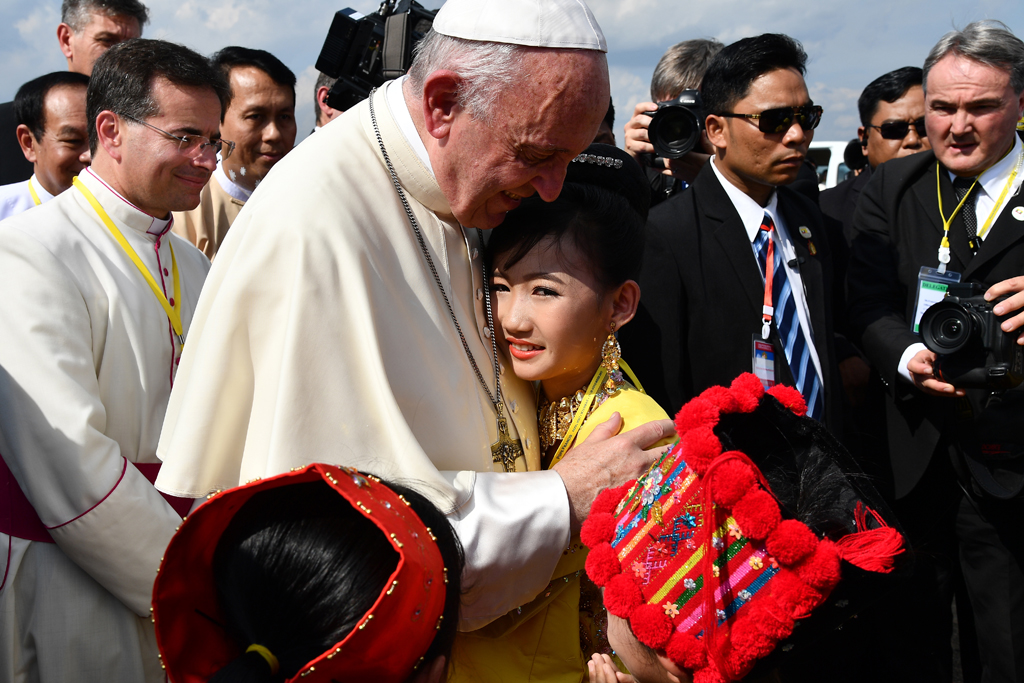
point(714, 126)
point(441, 102)
point(64, 34)
point(27, 142)
point(110, 134)
point(862, 135)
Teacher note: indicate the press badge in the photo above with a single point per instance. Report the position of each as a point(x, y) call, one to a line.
point(931, 289)
point(764, 361)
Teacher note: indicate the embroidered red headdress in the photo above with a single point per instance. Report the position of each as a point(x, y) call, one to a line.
point(697, 554)
point(385, 645)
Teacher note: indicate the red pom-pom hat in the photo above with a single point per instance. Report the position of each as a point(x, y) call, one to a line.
point(697, 555)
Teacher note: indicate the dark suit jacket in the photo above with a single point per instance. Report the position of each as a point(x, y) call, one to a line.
point(840, 202)
point(702, 295)
point(898, 230)
point(14, 167)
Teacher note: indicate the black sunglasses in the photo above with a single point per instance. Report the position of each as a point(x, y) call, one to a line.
point(897, 130)
point(780, 120)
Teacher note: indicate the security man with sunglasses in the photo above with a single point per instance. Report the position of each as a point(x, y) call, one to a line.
point(891, 111)
point(953, 214)
point(737, 268)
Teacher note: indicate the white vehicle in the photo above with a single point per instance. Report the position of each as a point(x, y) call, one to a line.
point(827, 155)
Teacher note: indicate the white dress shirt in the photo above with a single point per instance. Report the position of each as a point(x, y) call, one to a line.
point(230, 186)
point(16, 197)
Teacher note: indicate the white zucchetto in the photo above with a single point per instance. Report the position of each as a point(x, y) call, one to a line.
point(537, 23)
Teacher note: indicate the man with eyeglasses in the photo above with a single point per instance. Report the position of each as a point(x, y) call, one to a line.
point(953, 214)
point(712, 310)
point(99, 298)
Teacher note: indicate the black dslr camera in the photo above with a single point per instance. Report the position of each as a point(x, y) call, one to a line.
point(363, 52)
point(973, 352)
point(677, 124)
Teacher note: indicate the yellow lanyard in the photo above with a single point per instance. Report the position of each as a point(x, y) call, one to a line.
point(32, 191)
point(173, 312)
point(944, 245)
point(583, 411)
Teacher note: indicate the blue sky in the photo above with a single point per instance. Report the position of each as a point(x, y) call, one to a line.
point(849, 43)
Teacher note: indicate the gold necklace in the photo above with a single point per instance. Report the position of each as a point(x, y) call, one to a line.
point(554, 417)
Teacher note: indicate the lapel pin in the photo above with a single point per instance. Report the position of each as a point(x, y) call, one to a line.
point(805, 232)
point(1018, 213)
point(811, 248)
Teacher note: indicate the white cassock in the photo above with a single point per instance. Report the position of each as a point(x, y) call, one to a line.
point(17, 197)
point(87, 359)
point(322, 336)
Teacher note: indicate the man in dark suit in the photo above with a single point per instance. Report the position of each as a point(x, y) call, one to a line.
point(974, 85)
point(88, 28)
point(703, 315)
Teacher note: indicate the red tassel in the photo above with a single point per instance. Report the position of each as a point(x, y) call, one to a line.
point(872, 550)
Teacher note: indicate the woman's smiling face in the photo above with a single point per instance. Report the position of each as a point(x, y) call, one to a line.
point(553, 315)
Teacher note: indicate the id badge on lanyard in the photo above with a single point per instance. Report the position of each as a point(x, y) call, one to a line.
point(931, 289)
point(763, 361)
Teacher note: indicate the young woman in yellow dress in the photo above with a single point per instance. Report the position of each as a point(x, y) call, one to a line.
point(563, 282)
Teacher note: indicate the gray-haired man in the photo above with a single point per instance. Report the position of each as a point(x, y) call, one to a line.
point(87, 29)
point(957, 456)
point(347, 321)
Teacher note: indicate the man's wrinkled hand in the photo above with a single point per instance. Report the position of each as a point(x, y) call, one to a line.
point(608, 459)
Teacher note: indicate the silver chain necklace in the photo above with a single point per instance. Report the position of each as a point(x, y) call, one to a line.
point(505, 450)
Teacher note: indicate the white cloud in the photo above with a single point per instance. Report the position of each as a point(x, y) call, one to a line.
point(305, 116)
point(849, 44)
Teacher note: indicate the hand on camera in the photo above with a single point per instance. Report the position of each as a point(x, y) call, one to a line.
point(638, 142)
point(1014, 286)
point(921, 368)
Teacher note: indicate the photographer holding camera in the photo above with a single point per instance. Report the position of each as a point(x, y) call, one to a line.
point(928, 224)
point(681, 68)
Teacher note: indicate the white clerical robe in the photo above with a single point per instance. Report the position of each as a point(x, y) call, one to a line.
point(17, 197)
point(87, 358)
point(322, 336)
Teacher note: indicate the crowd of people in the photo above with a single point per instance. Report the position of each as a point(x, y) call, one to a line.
point(397, 404)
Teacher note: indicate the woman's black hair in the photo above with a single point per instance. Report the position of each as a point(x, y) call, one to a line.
point(298, 567)
point(601, 211)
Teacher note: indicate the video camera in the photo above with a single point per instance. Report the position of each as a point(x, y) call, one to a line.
point(676, 126)
point(363, 52)
point(973, 351)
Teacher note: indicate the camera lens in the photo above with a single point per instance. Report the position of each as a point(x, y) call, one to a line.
point(674, 131)
point(946, 327)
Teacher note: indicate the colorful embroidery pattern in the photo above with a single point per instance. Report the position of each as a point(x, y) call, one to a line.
point(695, 534)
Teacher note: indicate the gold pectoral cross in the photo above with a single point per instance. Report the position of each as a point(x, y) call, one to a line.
point(505, 450)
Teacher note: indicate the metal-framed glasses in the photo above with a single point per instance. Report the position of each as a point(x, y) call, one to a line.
point(780, 120)
point(897, 130)
point(191, 145)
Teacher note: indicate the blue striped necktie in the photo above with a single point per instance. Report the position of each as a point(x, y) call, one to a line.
point(795, 339)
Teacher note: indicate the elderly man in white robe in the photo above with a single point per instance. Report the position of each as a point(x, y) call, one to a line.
point(347, 317)
point(98, 299)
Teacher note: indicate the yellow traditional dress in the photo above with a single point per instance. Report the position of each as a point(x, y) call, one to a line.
point(551, 638)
